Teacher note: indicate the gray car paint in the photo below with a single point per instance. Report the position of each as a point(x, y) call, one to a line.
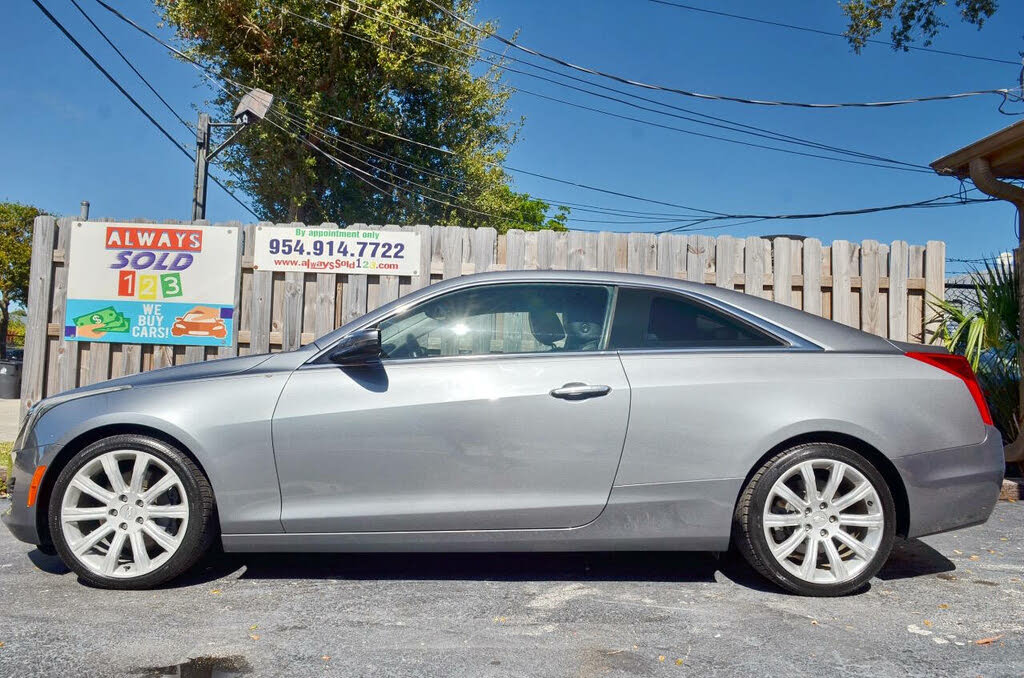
point(697, 423)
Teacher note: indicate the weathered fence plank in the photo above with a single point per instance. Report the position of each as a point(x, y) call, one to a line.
point(782, 271)
point(40, 283)
point(934, 284)
point(812, 256)
point(869, 295)
point(898, 273)
point(842, 285)
point(881, 288)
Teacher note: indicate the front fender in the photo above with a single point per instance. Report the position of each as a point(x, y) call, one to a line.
point(224, 422)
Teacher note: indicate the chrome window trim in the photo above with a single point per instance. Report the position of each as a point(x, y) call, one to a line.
point(387, 362)
point(791, 341)
point(609, 316)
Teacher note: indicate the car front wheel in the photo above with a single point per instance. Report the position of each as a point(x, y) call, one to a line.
point(817, 519)
point(130, 512)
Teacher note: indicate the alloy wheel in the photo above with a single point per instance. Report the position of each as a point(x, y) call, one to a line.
point(824, 521)
point(124, 513)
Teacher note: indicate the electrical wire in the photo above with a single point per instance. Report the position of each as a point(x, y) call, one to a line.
point(631, 221)
point(130, 98)
point(713, 215)
point(932, 202)
point(715, 97)
point(157, 94)
point(582, 207)
point(730, 125)
point(831, 33)
point(241, 86)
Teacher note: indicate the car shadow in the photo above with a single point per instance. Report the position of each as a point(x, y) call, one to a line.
point(909, 559)
point(913, 558)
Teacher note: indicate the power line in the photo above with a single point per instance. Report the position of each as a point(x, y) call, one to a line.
point(128, 96)
point(241, 86)
point(715, 97)
point(583, 207)
point(173, 111)
point(933, 202)
point(819, 31)
point(721, 123)
point(294, 121)
point(609, 113)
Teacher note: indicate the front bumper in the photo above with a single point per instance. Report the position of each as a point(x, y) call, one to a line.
point(21, 519)
point(952, 488)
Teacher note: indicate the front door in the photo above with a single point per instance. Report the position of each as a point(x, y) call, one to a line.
point(493, 407)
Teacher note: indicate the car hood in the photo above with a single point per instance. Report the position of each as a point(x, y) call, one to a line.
point(192, 371)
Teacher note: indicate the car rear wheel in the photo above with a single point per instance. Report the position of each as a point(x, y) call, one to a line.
point(817, 519)
point(131, 512)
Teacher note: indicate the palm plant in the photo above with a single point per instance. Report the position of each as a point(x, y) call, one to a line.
point(986, 330)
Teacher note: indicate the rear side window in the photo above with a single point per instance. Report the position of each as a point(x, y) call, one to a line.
point(652, 319)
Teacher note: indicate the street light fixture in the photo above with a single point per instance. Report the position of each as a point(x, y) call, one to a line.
point(252, 108)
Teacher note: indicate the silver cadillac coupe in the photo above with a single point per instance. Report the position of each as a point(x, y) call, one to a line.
point(523, 411)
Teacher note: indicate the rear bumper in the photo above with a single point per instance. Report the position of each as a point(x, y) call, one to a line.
point(952, 488)
point(20, 519)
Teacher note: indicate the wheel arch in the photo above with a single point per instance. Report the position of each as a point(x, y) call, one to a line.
point(882, 463)
point(83, 440)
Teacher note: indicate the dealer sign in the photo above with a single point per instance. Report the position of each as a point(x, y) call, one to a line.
point(152, 283)
point(340, 250)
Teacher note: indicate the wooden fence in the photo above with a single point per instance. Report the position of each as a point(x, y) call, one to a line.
point(880, 288)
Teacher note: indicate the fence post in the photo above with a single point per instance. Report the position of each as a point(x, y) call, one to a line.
point(40, 282)
point(934, 284)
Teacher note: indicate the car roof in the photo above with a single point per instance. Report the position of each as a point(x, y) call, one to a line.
point(827, 334)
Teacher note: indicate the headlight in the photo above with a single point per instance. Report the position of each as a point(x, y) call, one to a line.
point(46, 404)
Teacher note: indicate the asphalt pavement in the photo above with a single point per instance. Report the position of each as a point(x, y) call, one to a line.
point(948, 604)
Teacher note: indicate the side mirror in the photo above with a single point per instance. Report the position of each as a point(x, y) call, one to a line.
point(358, 348)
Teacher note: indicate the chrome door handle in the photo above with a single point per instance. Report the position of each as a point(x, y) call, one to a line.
point(576, 390)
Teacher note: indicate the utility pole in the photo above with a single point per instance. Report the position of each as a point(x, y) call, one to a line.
point(252, 108)
point(202, 167)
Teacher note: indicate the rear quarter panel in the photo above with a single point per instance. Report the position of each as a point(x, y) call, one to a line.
point(704, 416)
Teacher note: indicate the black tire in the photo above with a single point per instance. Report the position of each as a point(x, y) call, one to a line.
point(200, 530)
point(748, 522)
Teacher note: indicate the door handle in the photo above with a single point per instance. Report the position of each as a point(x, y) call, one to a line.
point(576, 390)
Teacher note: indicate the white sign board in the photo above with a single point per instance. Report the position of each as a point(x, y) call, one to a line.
point(152, 283)
point(317, 250)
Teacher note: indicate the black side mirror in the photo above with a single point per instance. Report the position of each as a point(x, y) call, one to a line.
point(358, 348)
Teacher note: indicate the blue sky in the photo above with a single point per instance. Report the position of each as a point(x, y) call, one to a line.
point(69, 136)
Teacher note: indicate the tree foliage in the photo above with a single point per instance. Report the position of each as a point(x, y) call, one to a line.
point(986, 330)
point(910, 19)
point(15, 257)
point(328, 61)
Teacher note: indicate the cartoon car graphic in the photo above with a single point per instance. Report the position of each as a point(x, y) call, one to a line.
point(201, 321)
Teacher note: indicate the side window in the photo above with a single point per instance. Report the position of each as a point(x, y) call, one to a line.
point(649, 319)
point(501, 319)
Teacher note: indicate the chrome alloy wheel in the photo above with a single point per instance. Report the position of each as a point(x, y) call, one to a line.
point(124, 513)
point(823, 521)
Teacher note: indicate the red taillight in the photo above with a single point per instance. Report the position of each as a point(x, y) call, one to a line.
point(957, 365)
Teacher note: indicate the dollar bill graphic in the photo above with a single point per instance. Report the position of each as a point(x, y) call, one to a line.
point(106, 320)
point(101, 317)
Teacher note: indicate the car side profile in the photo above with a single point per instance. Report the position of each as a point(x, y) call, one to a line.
point(508, 411)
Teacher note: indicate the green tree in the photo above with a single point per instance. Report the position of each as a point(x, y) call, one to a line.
point(328, 61)
point(15, 255)
point(910, 19)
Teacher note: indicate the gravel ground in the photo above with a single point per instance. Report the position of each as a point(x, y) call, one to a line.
point(634, 614)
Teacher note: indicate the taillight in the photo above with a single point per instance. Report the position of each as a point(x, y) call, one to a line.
point(957, 365)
